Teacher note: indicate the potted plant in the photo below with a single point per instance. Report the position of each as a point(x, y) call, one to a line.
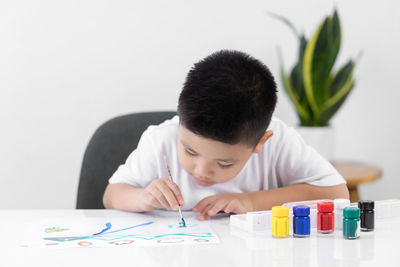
point(315, 89)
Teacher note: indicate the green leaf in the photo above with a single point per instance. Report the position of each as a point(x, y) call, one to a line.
point(286, 21)
point(320, 55)
point(328, 113)
point(296, 74)
point(341, 85)
point(341, 77)
point(307, 74)
point(326, 50)
point(287, 85)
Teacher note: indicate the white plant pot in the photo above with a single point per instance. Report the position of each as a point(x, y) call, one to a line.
point(320, 138)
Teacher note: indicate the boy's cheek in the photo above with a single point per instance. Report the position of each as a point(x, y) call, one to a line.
point(182, 160)
point(229, 174)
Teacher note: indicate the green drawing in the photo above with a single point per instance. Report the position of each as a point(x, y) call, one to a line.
point(74, 238)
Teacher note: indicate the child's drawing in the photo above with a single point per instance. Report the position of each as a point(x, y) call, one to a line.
point(54, 229)
point(98, 232)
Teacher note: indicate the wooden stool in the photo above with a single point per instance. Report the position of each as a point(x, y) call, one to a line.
point(356, 173)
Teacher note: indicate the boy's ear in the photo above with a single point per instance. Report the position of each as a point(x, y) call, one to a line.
point(262, 141)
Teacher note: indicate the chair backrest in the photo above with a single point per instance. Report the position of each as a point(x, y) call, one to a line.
point(108, 148)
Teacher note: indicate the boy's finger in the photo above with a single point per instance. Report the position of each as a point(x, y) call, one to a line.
point(159, 196)
point(218, 206)
point(204, 214)
point(233, 206)
point(169, 195)
point(203, 217)
point(174, 187)
point(202, 204)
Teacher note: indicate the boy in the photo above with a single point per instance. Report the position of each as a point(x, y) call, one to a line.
point(225, 150)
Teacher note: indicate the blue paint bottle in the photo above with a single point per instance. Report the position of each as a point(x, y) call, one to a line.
point(301, 221)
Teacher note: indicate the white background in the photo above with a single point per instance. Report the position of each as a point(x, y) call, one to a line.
point(68, 66)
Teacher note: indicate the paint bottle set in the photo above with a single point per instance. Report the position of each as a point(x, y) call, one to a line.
point(347, 218)
point(323, 215)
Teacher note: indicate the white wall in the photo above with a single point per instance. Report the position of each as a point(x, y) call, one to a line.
point(67, 66)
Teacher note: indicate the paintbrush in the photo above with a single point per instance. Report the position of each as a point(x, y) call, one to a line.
point(182, 223)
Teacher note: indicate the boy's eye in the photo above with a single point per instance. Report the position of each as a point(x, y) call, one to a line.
point(190, 153)
point(225, 165)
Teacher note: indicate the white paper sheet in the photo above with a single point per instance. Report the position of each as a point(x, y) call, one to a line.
point(117, 232)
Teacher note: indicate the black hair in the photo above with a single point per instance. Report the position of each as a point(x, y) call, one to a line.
point(229, 97)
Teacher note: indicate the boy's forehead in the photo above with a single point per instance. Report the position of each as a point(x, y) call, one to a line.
point(209, 147)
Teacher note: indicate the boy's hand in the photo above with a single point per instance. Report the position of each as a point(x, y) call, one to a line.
point(161, 193)
point(235, 203)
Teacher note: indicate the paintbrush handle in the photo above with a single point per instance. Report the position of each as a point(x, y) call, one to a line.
point(166, 164)
point(180, 212)
point(170, 177)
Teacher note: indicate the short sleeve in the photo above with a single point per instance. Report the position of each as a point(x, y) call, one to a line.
point(140, 167)
point(298, 162)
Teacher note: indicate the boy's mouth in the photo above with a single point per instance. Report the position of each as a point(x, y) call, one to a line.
point(202, 182)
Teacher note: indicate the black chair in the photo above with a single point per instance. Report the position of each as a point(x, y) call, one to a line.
point(108, 148)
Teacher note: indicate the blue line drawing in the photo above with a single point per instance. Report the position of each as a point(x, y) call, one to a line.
point(108, 227)
point(119, 230)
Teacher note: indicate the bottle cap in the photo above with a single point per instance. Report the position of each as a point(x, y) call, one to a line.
point(325, 206)
point(351, 212)
point(366, 204)
point(280, 211)
point(341, 203)
point(301, 210)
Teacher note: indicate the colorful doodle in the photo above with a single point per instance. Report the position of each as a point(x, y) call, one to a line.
point(170, 240)
point(112, 238)
point(84, 244)
point(122, 242)
point(118, 232)
point(54, 230)
point(201, 240)
point(108, 227)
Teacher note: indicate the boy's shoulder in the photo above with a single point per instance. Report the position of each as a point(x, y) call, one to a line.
point(166, 130)
point(277, 125)
point(283, 134)
point(168, 125)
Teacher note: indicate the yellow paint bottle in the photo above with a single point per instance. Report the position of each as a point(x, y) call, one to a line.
point(280, 221)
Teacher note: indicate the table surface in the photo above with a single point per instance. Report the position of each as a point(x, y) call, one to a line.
point(236, 247)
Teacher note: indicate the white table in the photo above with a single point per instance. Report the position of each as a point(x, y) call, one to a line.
point(237, 248)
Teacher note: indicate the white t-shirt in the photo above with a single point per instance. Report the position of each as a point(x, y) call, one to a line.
point(284, 160)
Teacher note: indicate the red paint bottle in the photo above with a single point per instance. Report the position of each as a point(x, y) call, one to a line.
point(325, 217)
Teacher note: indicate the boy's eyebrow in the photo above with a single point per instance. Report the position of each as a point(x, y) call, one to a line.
point(188, 147)
point(230, 160)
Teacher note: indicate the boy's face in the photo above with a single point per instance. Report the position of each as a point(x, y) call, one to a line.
point(211, 162)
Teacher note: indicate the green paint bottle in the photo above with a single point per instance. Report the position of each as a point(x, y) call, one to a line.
point(351, 222)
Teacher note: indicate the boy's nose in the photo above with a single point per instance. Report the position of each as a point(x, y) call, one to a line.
point(202, 169)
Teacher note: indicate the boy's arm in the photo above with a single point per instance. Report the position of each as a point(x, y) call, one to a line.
point(123, 197)
point(266, 199)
